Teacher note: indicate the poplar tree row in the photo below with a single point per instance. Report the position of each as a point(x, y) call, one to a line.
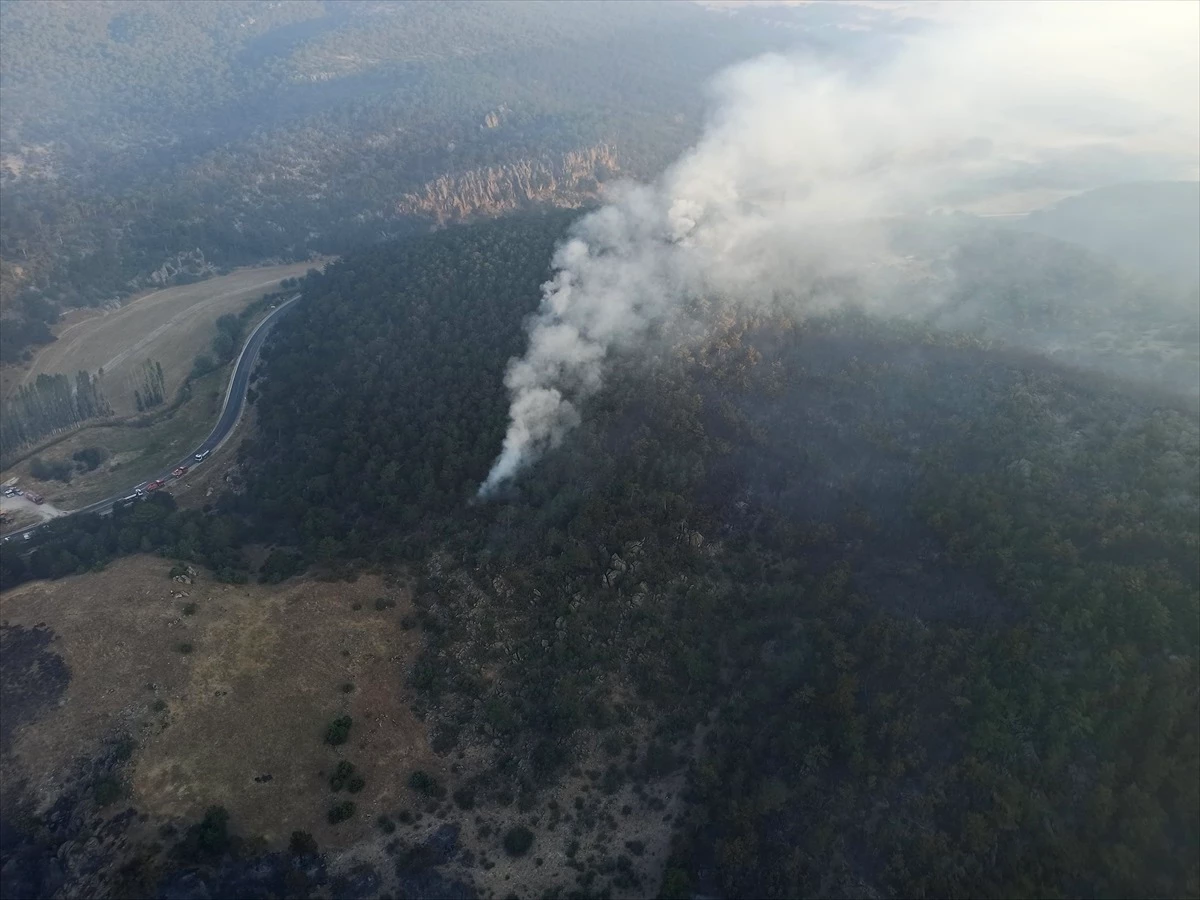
point(152, 390)
point(49, 405)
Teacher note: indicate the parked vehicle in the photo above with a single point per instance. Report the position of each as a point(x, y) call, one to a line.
point(155, 485)
point(36, 498)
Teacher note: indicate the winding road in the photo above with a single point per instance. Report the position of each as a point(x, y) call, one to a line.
point(231, 412)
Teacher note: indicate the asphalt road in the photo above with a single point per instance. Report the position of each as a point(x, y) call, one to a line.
point(235, 401)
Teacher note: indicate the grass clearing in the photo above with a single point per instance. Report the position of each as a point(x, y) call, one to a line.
point(133, 454)
point(251, 699)
point(170, 326)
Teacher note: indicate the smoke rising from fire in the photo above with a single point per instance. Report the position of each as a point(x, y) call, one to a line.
point(798, 159)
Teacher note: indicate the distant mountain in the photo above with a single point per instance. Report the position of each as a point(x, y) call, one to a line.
point(1153, 226)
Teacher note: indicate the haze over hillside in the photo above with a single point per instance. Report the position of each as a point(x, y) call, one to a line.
point(1152, 227)
point(801, 161)
point(669, 490)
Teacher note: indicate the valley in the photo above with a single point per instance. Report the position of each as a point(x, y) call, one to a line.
point(677, 571)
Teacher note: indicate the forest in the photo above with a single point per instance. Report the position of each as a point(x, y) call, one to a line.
point(940, 593)
point(914, 608)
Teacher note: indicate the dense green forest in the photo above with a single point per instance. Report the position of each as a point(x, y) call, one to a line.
point(914, 609)
point(940, 594)
point(71, 546)
point(137, 139)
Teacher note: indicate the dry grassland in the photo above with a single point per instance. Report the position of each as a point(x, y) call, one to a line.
point(252, 698)
point(170, 326)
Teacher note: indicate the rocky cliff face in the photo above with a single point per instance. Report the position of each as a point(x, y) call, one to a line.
point(570, 180)
point(189, 263)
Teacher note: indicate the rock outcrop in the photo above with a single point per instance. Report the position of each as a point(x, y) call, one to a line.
point(568, 181)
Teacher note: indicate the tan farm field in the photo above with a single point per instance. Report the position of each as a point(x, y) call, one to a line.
point(171, 326)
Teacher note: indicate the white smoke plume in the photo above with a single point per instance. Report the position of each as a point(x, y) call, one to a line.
point(797, 159)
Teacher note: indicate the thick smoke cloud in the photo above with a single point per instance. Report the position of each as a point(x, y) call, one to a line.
point(797, 161)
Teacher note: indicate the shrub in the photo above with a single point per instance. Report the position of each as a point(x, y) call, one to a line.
point(189, 609)
point(341, 812)
point(51, 470)
point(341, 775)
point(213, 831)
point(124, 748)
point(106, 791)
point(348, 688)
point(184, 647)
point(464, 798)
point(659, 761)
point(386, 825)
point(384, 603)
point(338, 730)
point(279, 566)
point(356, 784)
point(445, 739)
point(89, 458)
point(207, 838)
point(613, 779)
point(202, 365)
point(303, 844)
point(675, 885)
point(425, 784)
point(518, 840)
